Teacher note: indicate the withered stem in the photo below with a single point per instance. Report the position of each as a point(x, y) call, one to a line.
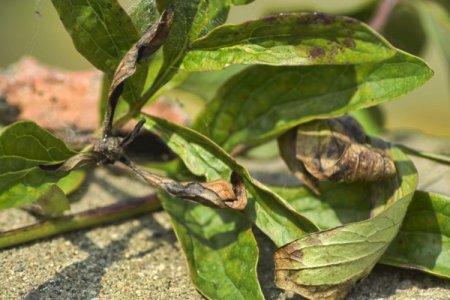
point(87, 219)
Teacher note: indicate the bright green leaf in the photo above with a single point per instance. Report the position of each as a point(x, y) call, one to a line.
point(72, 181)
point(328, 263)
point(220, 248)
point(288, 40)
point(23, 147)
point(192, 19)
point(204, 158)
point(262, 102)
point(423, 241)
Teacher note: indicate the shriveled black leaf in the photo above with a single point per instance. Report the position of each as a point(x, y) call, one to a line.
point(151, 41)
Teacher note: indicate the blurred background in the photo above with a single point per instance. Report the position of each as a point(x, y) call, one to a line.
point(32, 28)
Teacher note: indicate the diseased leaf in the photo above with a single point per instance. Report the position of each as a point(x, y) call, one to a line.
point(334, 149)
point(422, 242)
point(24, 146)
point(220, 248)
point(288, 40)
point(204, 158)
point(326, 264)
point(262, 102)
point(148, 44)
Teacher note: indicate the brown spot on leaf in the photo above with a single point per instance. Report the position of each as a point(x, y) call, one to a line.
point(349, 42)
point(321, 18)
point(316, 52)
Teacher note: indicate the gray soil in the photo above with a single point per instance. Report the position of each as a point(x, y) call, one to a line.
point(141, 258)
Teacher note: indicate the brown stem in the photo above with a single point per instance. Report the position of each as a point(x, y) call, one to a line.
point(87, 219)
point(382, 14)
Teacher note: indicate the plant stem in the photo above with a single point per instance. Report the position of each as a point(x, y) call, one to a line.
point(436, 157)
point(382, 14)
point(83, 220)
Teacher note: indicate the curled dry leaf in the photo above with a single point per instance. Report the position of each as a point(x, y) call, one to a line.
point(151, 41)
point(217, 193)
point(326, 264)
point(334, 149)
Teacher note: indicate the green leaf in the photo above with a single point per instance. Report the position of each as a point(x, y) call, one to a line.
point(288, 40)
point(102, 32)
point(23, 147)
point(144, 14)
point(206, 84)
point(371, 119)
point(192, 19)
point(204, 158)
point(100, 29)
point(262, 102)
point(72, 181)
point(423, 240)
point(53, 202)
point(405, 18)
point(328, 263)
point(220, 248)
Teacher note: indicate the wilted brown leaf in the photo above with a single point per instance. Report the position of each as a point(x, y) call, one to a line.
point(334, 149)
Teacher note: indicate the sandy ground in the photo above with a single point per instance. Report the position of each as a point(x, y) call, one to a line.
point(141, 259)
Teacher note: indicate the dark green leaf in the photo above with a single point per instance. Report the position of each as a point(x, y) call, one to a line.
point(220, 248)
point(23, 147)
point(288, 40)
point(204, 158)
point(262, 102)
point(404, 29)
point(422, 242)
point(326, 264)
point(102, 32)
